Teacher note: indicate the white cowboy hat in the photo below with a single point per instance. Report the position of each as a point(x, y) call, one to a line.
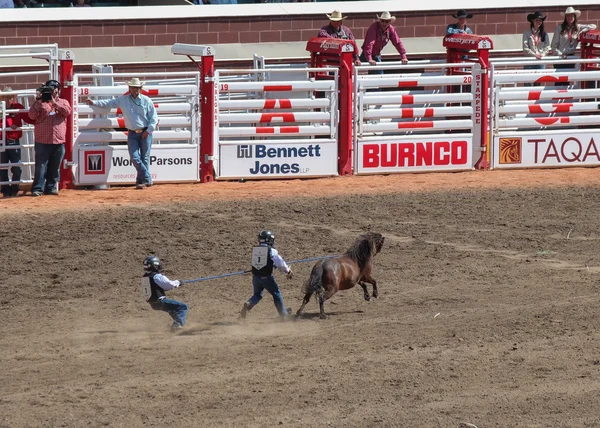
point(386, 16)
point(336, 16)
point(135, 83)
point(7, 96)
point(570, 10)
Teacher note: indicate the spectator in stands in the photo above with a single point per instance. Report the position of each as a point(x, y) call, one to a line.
point(566, 38)
point(461, 24)
point(12, 152)
point(378, 36)
point(50, 116)
point(336, 30)
point(566, 35)
point(536, 42)
point(6, 4)
point(81, 3)
point(140, 120)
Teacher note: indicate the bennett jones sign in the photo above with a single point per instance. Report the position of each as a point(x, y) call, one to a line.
point(105, 164)
point(514, 151)
point(411, 154)
point(278, 160)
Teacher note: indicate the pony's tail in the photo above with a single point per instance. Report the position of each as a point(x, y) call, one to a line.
point(314, 283)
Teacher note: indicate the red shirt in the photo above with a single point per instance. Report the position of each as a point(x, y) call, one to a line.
point(50, 121)
point(16, 119)
point(376, 39)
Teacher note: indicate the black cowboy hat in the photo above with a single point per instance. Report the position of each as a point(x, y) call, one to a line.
point(536, 14)
point(463, 14)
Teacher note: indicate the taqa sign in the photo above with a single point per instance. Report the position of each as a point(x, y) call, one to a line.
point(451, 154)
point(564, 150)
point(560, 149)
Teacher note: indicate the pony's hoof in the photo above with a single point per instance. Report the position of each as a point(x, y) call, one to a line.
point(323, 317)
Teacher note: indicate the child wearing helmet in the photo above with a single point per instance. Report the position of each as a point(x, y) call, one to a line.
point(154, 285)
point(264, 258)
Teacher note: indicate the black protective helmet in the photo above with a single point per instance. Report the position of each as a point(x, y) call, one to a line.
point(153, 264)
point(267, 237)
point(54, 84)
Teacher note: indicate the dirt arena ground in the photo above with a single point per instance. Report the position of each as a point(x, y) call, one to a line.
point(488, 313)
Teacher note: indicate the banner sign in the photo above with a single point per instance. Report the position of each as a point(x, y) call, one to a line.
point(112, 164)
point(565, 149)
point(415, 153)
point(281, 160)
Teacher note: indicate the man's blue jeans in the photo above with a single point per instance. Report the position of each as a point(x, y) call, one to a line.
point(260, 285)
point(10, 156)
point(376, 58)
point(47, 167)
point(139, 152)
point(177, 310)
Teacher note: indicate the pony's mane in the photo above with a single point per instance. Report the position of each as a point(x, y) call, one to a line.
point(364, 248)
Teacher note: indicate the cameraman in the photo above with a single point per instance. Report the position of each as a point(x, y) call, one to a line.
point(50, 114)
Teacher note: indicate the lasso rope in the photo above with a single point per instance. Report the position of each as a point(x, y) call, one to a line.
point(206, 278)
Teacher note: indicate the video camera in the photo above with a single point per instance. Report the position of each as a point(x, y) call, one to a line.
point(46, 93)
point(47, 90)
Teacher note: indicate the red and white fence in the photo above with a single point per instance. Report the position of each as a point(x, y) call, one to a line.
point(42, 61)
point(293, 121)
point(100, 154)
point(545, 117)
point(409, 120)
point(278, 123)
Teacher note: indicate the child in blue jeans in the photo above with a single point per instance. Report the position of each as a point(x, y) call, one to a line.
point(154, 284)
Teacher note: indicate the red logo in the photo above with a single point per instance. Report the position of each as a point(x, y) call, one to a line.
point(415, 154)
point(94, 162)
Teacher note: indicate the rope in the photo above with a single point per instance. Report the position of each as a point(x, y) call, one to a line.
point(206, 278)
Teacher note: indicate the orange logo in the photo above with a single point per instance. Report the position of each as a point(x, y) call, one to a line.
point(510, 151)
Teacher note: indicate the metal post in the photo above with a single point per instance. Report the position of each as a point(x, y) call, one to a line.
point(209, 115)
point(67, 92)
point(345, 106)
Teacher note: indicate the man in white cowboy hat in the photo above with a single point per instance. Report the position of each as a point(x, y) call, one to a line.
point(12, 152)
point(141, 120)
point(461, 23)
point(566, 35)
point(335, 30)
point(378, 35)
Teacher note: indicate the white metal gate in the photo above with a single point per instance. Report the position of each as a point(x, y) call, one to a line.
point(42, 65)
point(544, 117)
point(415, 118)
point(100, 154)
point(263, 135)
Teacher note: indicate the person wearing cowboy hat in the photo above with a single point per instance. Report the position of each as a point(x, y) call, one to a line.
point(335, 30)
point(536, 42)
point(378, 35)
point(461, 24)
point(12, 152)
point(566, 35)
point(140, 120)
point(50, 134)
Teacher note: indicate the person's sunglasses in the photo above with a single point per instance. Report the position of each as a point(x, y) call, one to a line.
point(385, 21)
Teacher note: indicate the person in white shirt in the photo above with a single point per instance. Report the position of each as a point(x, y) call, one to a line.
point(154, 284)
point(264, 258)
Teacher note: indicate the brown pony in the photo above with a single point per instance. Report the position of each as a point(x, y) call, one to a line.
point(344, 272)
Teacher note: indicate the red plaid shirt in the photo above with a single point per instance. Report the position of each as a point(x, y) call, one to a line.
point(50, 121)
point(15, 119)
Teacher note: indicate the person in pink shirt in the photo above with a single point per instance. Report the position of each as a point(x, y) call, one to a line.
point(378, 36)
